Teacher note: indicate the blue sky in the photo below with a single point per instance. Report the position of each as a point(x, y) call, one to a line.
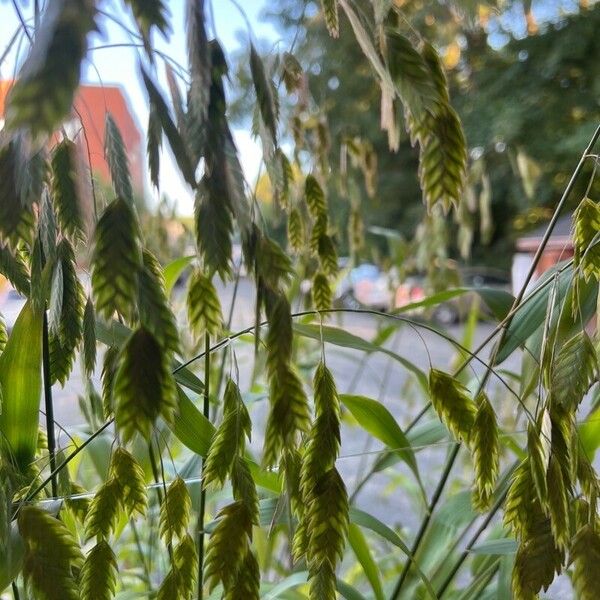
point(120, 66)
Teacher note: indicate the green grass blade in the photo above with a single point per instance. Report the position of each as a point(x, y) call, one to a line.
point(21, 382)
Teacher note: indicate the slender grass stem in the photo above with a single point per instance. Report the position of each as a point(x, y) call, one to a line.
point(202, 507)
point(49, 406)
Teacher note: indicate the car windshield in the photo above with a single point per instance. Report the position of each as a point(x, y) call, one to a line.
point(362, 272)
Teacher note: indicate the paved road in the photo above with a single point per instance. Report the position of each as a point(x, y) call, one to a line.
point(378, 376)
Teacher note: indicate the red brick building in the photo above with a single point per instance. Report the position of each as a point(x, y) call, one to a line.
point(92, 102)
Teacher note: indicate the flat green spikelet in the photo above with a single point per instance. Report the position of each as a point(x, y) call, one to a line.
point(185, 558)
point(247, 580)
point(411, 75)
point(558, 504)
point(292, 72)
point(104, 511)
point(153, 305)
point(315, 198)
point(14, 268)
point(89, 338)
point(98, 577)
point(132, 482)
point(65, 190)
point(43, 94)
point(49, 548)
point(574, 371)
point(295, 229)
point(443, 161)
point(110, 363)
point(227, 545)
point(327, 523)
point(268, 103)
point(585, 553)
point(273, 264)
point(175, 511)
point(116, 157)
point(117, 260)
point(280, 333)
point(149, 14)
point(485, 447)
point(330, 13)
point(452, 403)
point(537, 561)
point(229, 439)
point(327, 254)
point(144, 388)
point(521, 501)
point(586, 226)
point(321, 292)
point(289, 413)
point(203, 305)
point(243, 486)
point(214, 228)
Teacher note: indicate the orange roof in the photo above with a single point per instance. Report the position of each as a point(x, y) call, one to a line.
point(92, 102)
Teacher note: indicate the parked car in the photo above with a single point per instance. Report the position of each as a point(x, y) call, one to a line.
point(365, 286)
point(413, 289)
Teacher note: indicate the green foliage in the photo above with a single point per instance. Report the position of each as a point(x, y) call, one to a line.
point(65, 190)
point(175, 511)
point(203, 305)
point(49, 548)
point(43, 93)
point(117, 260)
point(21, 385)
point(98, 577)
point(452, 403)
point(144, 388)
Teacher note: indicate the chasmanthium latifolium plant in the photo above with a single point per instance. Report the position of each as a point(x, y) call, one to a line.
point(179, 505)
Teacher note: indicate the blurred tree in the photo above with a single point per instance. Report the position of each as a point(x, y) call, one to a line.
point(523, 143)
